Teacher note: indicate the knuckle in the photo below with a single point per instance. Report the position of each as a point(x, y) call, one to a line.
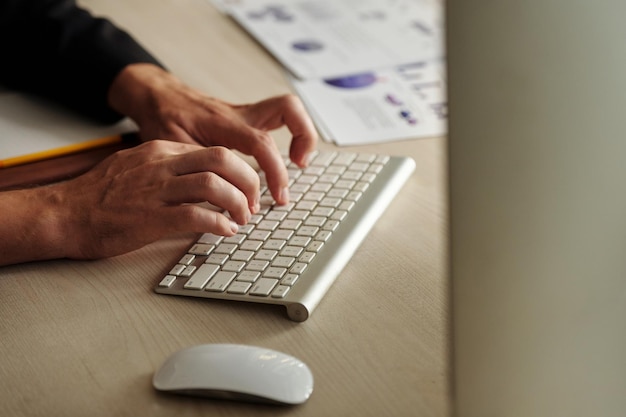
point(290, 101)
point(207, 180)
point(220, 153)
point(264, 140)
point(190, 214)
point(154, 146)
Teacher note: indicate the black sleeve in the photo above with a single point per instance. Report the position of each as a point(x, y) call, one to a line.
point(58, 50)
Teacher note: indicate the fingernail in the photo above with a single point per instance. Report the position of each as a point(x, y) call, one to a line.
point(306, 159)
point(284, 195)
point(234, 227)
point(257, 205)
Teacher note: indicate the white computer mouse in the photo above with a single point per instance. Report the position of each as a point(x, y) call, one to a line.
point(236, 372)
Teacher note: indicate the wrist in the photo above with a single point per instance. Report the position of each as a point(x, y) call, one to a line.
point(132, 92)
point(36, 222)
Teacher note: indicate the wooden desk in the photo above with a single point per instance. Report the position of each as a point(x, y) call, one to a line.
point(85, 338)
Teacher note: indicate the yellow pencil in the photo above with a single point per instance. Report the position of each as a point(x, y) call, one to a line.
point(66, 150)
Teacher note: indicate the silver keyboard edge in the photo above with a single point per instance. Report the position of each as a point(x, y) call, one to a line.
point(347, 238)
point(303, 298)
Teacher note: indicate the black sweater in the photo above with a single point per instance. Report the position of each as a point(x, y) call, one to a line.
point(58, 50)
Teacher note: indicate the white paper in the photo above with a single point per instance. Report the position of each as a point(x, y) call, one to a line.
point(331, 38)
point(29, 125)
point(406, 102)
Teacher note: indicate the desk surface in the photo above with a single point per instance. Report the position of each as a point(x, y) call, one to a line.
point(84, 338)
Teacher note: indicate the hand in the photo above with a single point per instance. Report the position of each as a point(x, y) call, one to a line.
point(132, 198)
point(164, 107)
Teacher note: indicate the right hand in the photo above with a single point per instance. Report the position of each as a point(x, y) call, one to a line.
point(142, 194)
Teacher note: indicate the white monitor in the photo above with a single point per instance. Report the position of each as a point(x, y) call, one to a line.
point(537, 163)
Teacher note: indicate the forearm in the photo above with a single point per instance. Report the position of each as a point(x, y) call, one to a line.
point(32, 226)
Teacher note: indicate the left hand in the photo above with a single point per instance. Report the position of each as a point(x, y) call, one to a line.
point(164, 107)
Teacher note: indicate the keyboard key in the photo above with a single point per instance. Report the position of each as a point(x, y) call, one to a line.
point(283, 261)
point(330, 225)
point(210, 239)
point(246, 228)
point(323, 158)
point(365, 157)
point(351, 175)
point(274, 272)
point(323, 235)
point(234, 266)
point(307, 257)
point(337, 193)
point(298, 215)
point(323, 211)
point(260, 235)
point(306, 205)
point(344, 159)
point(330, 202)
point(298, 268)
point(274, 244)
point(315, 246)
point(375, 169)
point(217, 259)
point(248, 276)
point(167, 281)
point(289, 279)
point(187, 259)
point(239, 287)
point(267, 225)
point(338, 215)
point(242, 255)
point(301, 241)
point(220, 281)
point(354, 196)
point(276, 215)
point(298, 188)
point(313, 196)
point(201, 249)
point(266, 255)
point(227, 248)
point(188, 271)
point(201, 277)
point(263, 287)
point(177, 269)
point(307, 231)
point(236, 239)
point(322, 186)
point(361, 186)
point(282, 234)
point(315, 221)
point(291, 224)
point(280, 291)
point(347, 184)
point(257, 265)
point(291, 251)
point(331, 178)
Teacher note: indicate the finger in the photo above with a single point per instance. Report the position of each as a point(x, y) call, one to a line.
point(262, 147)
point(194, 218)
point(208, 186)
point(287, 110)
point(271, 162)
point(225, 164)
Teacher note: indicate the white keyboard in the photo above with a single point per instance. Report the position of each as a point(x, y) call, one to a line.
point(290, 255)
